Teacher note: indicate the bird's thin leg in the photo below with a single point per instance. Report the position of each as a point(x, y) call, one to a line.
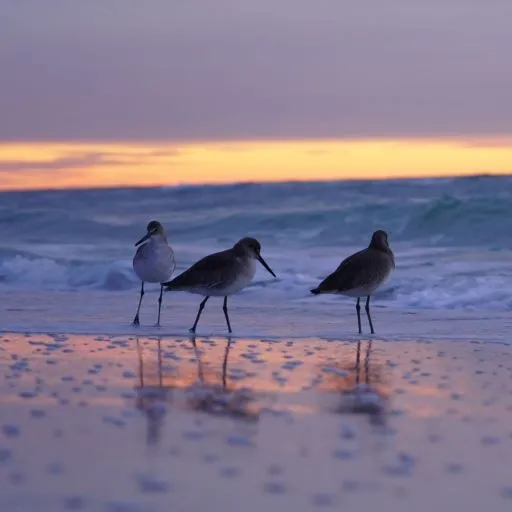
point(201, 307)
point(225, 309)
point(136, 319)
point(358, 309)
point(160, 304)
point(367, 308)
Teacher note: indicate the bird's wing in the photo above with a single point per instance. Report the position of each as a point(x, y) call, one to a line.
point(209, 272)
point(139, 253)
point(357, 270)
point(172, 260)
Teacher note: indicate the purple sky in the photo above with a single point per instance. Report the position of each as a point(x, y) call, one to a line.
point(239, 69)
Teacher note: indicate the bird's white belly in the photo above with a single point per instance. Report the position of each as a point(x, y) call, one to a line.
point(154, 264)
point(364, 291)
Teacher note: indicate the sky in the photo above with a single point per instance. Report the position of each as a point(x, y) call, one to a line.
point(189, 91)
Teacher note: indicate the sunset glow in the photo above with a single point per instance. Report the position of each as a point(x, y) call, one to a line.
point(80, 165)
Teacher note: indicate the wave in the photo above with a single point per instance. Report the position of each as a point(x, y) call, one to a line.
point(447, 221)
point(464, 212)
point(451, 237)
point(433, 279)
point(47, 273)
point(462, 221)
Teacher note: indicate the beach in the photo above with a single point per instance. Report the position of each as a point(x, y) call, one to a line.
point(255, 256)
point(295, 411)
point(255, 314)
point(135, 422)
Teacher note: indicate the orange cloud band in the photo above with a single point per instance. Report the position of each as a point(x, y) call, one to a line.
point(81, 165)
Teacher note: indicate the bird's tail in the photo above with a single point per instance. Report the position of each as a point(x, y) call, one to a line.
point(168, 286)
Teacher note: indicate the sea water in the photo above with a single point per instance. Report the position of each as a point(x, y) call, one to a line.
point(66, 256)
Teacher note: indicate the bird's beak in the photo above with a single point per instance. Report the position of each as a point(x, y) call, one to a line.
point(264, 263)
point(147, 236)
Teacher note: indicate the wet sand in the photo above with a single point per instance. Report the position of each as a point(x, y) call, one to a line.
point(120, 423)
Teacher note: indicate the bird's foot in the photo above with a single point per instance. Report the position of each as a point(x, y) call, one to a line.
point(192, 330)
point(136, 322)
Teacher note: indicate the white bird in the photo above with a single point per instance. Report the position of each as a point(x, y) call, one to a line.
point(153, 262)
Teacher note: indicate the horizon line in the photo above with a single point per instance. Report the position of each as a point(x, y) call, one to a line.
point(217, 184)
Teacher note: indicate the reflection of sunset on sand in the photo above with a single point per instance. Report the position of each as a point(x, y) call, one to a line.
point(222, 398)
point(361, 384)
point(152, 396)
point(203, 386)
point(79, 411)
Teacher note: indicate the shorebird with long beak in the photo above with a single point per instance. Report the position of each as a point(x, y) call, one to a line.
point(221, 274)
point(361, 274)
point(153, 262)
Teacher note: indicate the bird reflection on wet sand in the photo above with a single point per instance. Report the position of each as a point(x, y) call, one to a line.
point(221, 399)
point(361, 387)
point(153, 395)
point(197, 387)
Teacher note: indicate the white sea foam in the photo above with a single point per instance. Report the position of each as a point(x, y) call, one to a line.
point(435, 279)
point(451, 241)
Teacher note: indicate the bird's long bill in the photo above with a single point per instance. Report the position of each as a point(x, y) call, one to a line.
point(143, 239)
point(264, 263)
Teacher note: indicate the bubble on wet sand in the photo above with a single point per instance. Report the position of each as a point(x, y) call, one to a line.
point(151, 483)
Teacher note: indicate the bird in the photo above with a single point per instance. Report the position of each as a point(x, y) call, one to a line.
point(361, 274)
point(221, 274)
point(153, 262)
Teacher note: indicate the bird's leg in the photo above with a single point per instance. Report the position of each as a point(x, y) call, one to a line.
point(367, 308)
point(136, 319)
point(160, 304)
point(201, 307)
point(225, 309)
point(358, 309)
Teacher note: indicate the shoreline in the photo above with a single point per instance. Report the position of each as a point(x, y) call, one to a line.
point(100, 313)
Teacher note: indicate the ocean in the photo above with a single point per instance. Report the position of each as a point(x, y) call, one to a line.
point(100, 415)
point(452, 240)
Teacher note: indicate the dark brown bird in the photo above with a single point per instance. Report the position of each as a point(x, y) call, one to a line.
point(361, 274)
point(221, 274)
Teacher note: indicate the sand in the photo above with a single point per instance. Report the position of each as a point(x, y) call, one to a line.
point(126, 423)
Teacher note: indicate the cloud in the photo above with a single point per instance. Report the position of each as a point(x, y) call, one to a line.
point(130, 70)
point(75, 159)
point(86, 160)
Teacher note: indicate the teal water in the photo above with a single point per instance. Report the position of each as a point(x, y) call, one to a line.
point(452, 238)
